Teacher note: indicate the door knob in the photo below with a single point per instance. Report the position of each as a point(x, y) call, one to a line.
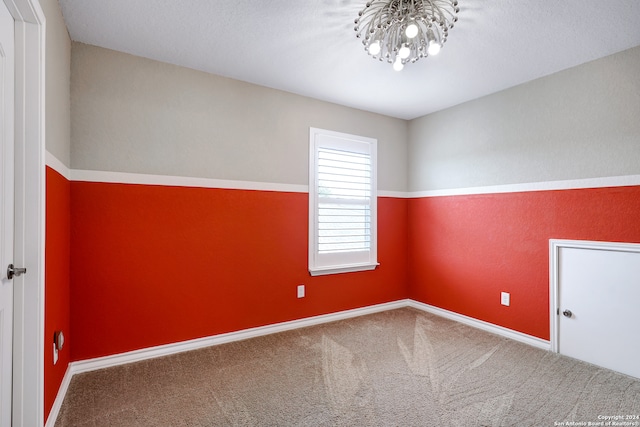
point(567, 313)
point(15, 271)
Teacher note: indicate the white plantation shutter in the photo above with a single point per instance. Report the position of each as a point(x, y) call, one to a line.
point(344, 198)
point(342, 203)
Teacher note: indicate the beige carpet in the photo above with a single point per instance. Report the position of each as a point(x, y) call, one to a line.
point(397, 368)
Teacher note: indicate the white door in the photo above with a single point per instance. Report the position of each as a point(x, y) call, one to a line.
point(599, 303)
point(6, 210)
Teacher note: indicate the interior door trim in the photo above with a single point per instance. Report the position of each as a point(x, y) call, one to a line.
point(28, 345)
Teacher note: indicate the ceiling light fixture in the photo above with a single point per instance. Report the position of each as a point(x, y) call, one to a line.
point(403, 31)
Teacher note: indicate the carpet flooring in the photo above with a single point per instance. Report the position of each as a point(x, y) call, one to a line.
point(396, 368)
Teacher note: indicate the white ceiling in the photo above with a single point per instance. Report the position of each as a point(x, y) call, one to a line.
point(309, 47)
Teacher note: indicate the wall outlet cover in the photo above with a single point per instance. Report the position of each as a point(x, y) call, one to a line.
point(300, 291)
point(505, 298)
point(55, 354)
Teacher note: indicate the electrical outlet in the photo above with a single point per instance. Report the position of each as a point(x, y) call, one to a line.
point(300, 291)
point(55, 354)
point(505, 298)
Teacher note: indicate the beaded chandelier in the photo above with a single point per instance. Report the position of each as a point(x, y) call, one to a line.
point(403, 31)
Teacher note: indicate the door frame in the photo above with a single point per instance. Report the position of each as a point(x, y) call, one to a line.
point(28, 327)
point(554, 275)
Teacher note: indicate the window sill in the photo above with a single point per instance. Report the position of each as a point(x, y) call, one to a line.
point(321, 271)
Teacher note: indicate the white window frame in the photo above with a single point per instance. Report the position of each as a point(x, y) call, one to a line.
point(343, 262)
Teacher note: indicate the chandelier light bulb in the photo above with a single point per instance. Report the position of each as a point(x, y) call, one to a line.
point(404, 52)
point(398, 65)
point(412, 30)
point(374, 48)
point(434, 48)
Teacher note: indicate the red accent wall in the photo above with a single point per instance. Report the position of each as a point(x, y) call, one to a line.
point(154, 265)
point(57, 289)
point(465, 250)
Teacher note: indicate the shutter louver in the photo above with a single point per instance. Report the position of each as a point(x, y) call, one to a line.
point(344, 201)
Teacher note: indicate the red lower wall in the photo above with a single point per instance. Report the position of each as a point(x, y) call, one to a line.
point(57, 289)
point(154, 265)
point(465, 250)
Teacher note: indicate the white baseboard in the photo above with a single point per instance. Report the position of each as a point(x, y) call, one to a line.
point(168, 349)
point(165, 350)
point(57, 404)
point(480, 324)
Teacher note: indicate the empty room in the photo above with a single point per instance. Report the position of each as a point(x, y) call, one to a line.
point(320, 213)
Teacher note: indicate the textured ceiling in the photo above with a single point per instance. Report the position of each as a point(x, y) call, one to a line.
point(309, 47)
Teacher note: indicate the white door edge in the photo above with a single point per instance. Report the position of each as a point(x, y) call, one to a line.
point(7, 107)
point(554, 284)
point(28, 369)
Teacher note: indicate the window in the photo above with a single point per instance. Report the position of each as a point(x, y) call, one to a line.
point(342, 203)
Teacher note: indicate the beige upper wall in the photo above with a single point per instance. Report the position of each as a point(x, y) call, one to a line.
point(579, 123)
point(57, 83)
point(131, 114)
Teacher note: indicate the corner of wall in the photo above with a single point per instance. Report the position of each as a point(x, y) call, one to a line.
point(57, 298)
